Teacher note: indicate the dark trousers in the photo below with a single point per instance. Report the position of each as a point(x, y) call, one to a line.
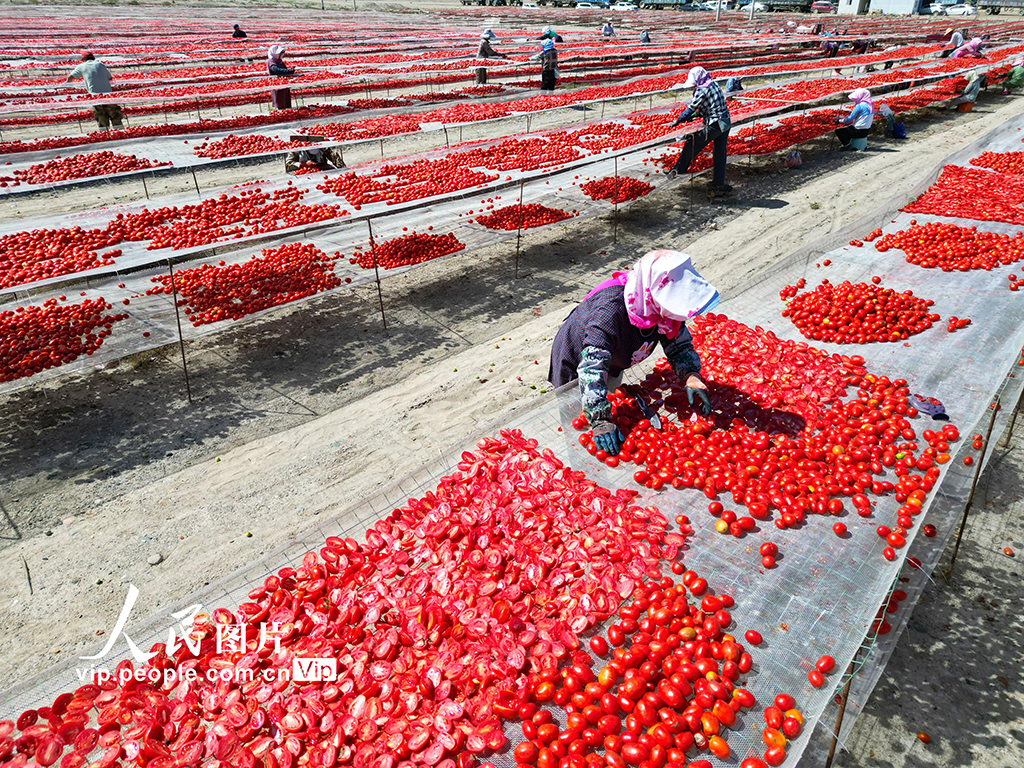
point(107, 114)
point(696, 142)
point(547, 79)
point(846, 133)
point(280, 70)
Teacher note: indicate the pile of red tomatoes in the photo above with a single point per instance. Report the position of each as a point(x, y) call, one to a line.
point(248, 144)
point(229, 292)
point(523, 216)
point(620, 189)
point(41, 253)
point(858, 313)
point(35, 338)
point(952, 248)
point(1003, 162)
point(973, 194)
point(674, 689)
point(781, 438)
point(78, 167)
point(395, 183)
point(414, 248)
point(449, 619)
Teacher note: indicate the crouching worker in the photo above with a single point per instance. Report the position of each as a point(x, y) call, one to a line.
point(857, 124)
point(619, 324)
point(312, 159)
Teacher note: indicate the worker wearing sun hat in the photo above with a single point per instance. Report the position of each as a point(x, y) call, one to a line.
point(96, 78)
point(709, 103)
point(1015, 77)
point(486, 50)
point(548, 58)
point(548, 34)
point(619, 324)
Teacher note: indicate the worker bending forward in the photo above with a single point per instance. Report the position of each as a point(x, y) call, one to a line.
point(97, 81)
point(312, 159)
point(619, 324)
point(709, 103)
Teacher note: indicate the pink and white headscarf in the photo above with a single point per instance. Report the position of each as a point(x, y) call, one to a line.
point(664, 290)
point(859, 95)
point(698, 77)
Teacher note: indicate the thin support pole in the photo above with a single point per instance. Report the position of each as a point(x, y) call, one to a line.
point(198, 113)
point(1013, 420)
point(839, 717)
point(144, 187)
point(196, 181)
point(974, 484)
point(519, 230)
point(691, 192)
point(615, 204)
point(376, 271)
point(382, 149)
point(445, 129)
point(181, 340)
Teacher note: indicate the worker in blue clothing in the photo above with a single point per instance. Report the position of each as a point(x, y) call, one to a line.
point(857, 123)
point(619, 324)
point(708, 103)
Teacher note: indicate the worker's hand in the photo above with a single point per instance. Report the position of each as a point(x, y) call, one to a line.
point(607, 438)
point(697, 388)
point(309, 164)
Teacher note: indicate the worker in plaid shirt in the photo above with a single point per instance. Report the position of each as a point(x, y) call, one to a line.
point(709, 103)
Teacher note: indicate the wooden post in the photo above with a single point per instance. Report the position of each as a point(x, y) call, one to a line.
point(376, 271)
point(1013, 420)
point(519, 230)
point(974, 484)
point(839, 717)
point(615, 204)
point(181, 340)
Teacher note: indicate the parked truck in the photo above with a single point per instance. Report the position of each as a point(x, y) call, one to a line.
point(997, 6)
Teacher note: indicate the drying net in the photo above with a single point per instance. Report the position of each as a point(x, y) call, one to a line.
point(825, 595)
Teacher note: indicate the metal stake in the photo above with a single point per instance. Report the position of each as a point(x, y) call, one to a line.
point(382, 149)
point(194, 179)
point(445, 129)
point(144, 188)
point(1013, 420)
point(181, 340)
point(376, 271)
point(974, 484)
point(615, 204)
point(519, 231)
point(839, 717)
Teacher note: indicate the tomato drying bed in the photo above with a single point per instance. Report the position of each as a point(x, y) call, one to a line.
point(826, 590)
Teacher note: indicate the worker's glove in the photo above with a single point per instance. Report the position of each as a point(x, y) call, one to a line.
point(607, 438)
point(704, 404)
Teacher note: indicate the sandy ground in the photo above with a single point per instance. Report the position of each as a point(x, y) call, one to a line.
point(312, 409)
point(955, 674)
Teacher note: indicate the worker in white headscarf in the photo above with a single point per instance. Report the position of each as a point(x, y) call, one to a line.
point(275, 62)
point(620, 323)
